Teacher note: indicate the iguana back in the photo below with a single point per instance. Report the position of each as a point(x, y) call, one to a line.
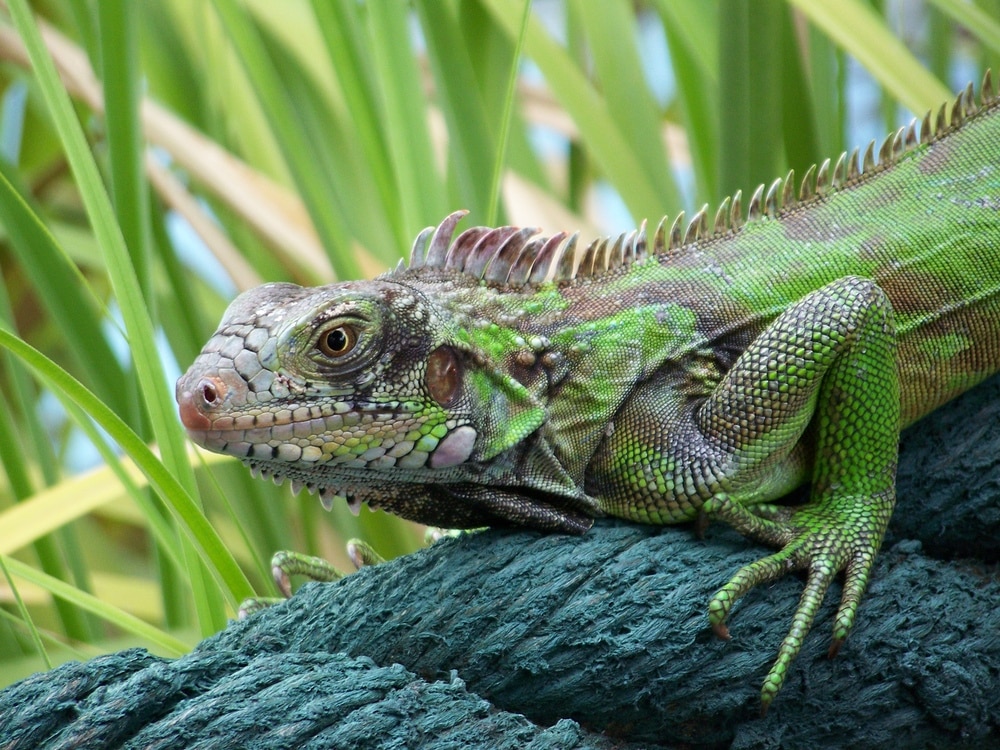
point(923, 223)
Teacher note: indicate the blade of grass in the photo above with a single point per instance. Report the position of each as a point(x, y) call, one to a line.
point(800, 134)
point(350, 62)
point(826, 79)
point(138, 324)
point(599, 128)
point(421, 190)
point(471, 134)
point(695, 60)
point(166, 643)
point(280, 110)
point(609, 27)
point(56, 559)
point(335, 153)
point(58, 555)
point(186, 511)
point(25, 615)
point(65, 293)
point(118, 54)
point(118, 48)
point(974, 20)
point(493, 204)
point(860, 31)
point(735, 99)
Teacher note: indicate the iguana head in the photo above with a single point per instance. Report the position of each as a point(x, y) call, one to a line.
point(359, 375)
point(374, 391)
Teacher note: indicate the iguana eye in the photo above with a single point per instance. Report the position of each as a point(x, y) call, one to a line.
point(336, 342)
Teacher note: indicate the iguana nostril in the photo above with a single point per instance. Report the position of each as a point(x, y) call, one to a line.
point(197, 404)
point(209, 393)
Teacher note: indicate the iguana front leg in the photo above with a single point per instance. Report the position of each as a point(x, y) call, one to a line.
point(814, 398)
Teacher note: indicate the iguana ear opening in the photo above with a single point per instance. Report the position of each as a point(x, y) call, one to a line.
point(444, 375)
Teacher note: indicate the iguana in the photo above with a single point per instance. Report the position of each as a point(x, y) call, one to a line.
point(503, 378)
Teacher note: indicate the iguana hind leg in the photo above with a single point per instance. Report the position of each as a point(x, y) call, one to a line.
point(814, 397)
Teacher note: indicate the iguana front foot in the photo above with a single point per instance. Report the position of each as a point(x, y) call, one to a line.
point(285, 564)
point(844, 534)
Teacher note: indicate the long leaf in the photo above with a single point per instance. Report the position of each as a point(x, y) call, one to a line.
point(418, 180)
point(138, 324)
point(609, 144)
point(280, 110)
point(623, 86)
point(192, 521)
point(974, 20)
point(854, 26)
point(166, 643)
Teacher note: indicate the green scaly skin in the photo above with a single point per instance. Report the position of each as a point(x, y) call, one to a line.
point(703, 376)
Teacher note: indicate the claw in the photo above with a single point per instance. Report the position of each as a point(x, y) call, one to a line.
point(721, 631)
point(834, 648)
point(285, 564)
point(810, 546)
point(362, 554)
point(701, 522)
point(282, 581)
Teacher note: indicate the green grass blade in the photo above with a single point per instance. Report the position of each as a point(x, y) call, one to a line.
point(609, 27)
point(694, 58)
point(473, 132)
point(859, 30)
point(167, 644)
point(421, 190)
point(280, 110)
point(974, 20)
point(64, 292)
point(138, 324)
point(599, 127)
point(156, 391)
point(799, 131)
point(191, 519)
point(25, 615)
point(493, 203)
point(350, 61)
point(119, 50)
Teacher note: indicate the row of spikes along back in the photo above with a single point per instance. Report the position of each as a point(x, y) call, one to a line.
point(512, 257)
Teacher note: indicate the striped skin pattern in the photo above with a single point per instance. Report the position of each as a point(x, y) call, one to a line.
point(507, 379)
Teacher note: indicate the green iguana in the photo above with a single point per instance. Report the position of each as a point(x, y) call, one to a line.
point(499, 380)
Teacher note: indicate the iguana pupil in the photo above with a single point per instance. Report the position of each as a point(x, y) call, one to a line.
point(338, 341)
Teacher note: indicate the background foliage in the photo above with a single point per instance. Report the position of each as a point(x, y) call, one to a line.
point(187, 150)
